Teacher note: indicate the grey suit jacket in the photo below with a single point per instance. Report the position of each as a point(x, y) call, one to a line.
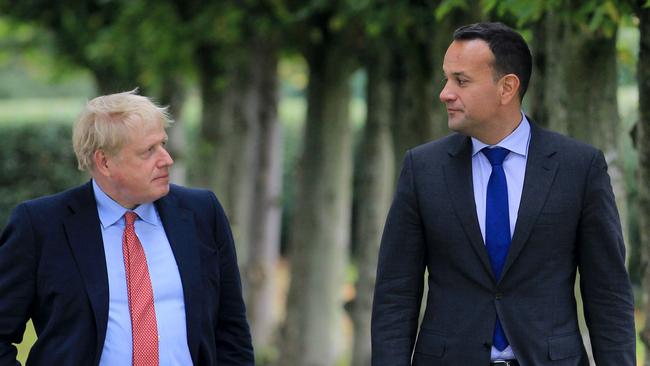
point(567, 222)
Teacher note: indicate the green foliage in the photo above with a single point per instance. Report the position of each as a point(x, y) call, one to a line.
point(524, 11)
point(596, 16)
point(35, 160)
point(447, 6)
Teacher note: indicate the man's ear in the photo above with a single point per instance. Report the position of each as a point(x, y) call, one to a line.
point(510, 85)
point(101, 162)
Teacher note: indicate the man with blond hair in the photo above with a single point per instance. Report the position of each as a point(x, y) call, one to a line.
point(125, 269)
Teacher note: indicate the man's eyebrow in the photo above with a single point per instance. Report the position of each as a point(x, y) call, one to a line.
point(456, 74)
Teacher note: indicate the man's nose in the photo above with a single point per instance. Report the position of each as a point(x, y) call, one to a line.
point(446, 95)
point(166, 158)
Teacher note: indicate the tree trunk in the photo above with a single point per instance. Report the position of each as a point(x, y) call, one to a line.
point(374, 188)
point(418, 114)
point(643, 147)
point(110, 80)
point(172, 94)
point(320, 225)
point(594, 117)
point(536, 94)
point(226, 148)
point(264, 243)
point(443, 35)
point(413, 98)
point(241, 145)
point(580, 89)
point(215, 122)
point(581, 94)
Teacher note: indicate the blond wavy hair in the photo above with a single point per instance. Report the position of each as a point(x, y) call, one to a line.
point(108, 122)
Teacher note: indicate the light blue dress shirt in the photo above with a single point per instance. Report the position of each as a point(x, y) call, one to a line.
point(165, 281)
point(514, 167)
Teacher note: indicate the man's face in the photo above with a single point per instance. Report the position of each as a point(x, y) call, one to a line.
point(139, 172)
point(470, 93)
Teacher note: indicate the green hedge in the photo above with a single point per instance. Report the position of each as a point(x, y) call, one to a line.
point(35, 160)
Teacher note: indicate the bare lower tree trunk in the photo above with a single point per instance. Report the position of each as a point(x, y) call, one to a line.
point(109, 79)
point(536, 94)
point(242, 166)
point(643, 147)
point(215, 122)
point(581, 94)
point(413, 98)
point(227, 142)
point(319, 235)
point(264, 236)
point(172, 94)
point(418, 114)
point(240, 150)
point(442, 36)
point(593, 116)
point(374, 188)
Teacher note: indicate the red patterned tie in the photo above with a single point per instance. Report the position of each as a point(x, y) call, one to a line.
point(143, 316)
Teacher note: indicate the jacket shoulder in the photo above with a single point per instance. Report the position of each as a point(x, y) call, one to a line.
point(445, 144)
point(194, 199)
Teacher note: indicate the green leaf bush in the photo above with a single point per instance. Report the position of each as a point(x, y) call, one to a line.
point(35, 160)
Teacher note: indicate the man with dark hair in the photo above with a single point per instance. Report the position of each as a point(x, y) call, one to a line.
point(501, 214)
point(511, 53)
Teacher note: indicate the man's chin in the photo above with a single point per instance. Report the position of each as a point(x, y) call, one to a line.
point(161, 192)
point(455, 125)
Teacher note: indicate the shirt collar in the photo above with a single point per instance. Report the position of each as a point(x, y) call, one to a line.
point(516, 142)
point(111, 212)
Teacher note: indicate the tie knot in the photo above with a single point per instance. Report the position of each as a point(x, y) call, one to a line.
point(129, 217)
point(496, 155)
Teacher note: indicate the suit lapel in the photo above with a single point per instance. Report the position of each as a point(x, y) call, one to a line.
point(540, 173)
point(180, 228)
point(85, 239)
point(458, 177)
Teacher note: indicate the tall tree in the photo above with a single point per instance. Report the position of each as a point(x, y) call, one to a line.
point(643, 148)
point(581, 84)
point(318, 243)
point(265, 210)
point(422, 32)
point(412, 73)
point(163, 57)
point(240, 139)
point(373, 190)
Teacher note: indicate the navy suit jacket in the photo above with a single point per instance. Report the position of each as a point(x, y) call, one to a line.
point(567, 222)
point(53, 270)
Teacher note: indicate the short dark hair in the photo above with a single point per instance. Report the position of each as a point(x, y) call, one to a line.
point(511, 53)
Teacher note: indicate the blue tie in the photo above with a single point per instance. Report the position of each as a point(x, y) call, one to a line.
point(497, 225)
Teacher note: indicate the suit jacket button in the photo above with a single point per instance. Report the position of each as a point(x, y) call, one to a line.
point(498, 296)
point(487, 345)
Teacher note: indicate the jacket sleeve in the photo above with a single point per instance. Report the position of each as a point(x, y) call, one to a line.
point(17, 282)
point(234, 344)
point(604, 282)
point(400, 277)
